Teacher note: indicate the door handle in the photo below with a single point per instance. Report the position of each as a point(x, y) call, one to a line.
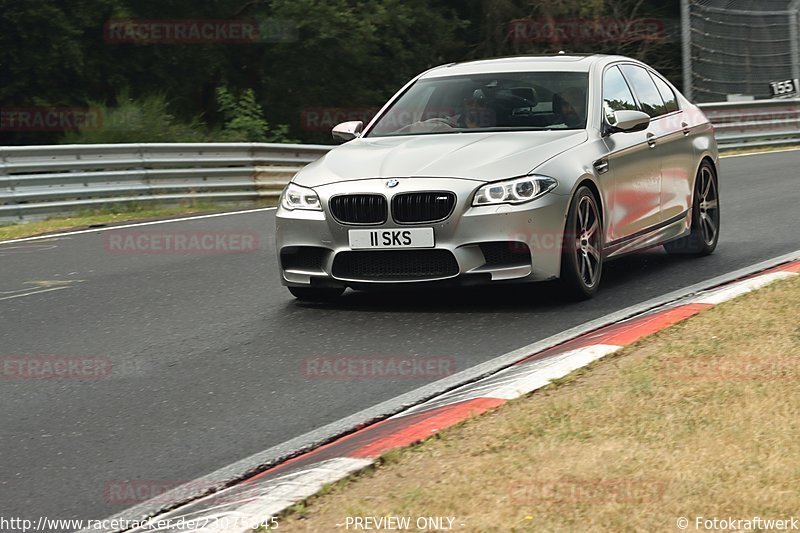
point(651, 140)
point(685, 127)
point(601, 166)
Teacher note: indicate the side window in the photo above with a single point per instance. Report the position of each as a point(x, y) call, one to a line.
point(616, 94)
point(645, 90)
point(667, 94)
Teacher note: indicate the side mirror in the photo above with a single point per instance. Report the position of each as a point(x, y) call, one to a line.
point(347, 131)
point(626, 121)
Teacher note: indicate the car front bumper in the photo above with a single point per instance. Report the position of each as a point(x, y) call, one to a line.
point(501, 243)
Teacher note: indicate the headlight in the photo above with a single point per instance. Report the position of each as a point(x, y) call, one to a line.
point(516, 191)
point(297, 197)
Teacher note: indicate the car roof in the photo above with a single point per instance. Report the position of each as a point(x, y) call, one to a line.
point(554, 62)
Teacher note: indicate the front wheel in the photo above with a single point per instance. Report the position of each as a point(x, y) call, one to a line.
point(315, 294)
point(582, 250)
point(704, 235)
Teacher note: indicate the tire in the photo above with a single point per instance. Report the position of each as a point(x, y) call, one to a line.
point(582, 248)
point(704, 234)
point(315, 294)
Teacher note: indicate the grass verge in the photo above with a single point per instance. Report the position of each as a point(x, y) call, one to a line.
point(698, 420)
point(116, 214)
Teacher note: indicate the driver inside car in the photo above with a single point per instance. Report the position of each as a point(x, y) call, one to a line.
point(473, 113)
point(570, 107)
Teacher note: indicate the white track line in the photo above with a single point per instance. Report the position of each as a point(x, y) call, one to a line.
point(723, 294)
point(543, 376)
point(135, 224)
point(32, 293)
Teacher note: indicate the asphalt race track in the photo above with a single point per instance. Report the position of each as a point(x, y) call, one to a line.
point(207, 349)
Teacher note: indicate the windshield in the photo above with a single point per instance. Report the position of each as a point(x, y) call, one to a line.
point(488, 102)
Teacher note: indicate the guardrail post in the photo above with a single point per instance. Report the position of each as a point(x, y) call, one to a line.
point(143, 167)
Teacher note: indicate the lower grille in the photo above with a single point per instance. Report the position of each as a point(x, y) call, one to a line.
point(395, 265)
point(359, 208)
point(506, 253)
point(306, 258)
point(414, 207)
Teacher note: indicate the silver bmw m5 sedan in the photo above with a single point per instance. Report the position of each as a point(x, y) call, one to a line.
point(508, 170)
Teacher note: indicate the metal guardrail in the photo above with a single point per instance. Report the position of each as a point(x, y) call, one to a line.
point(755, 123)
point(42, 180)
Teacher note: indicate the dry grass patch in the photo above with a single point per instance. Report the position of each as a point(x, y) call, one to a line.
point(701, 419)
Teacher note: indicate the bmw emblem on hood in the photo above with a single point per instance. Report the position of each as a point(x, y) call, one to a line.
point(392, 183)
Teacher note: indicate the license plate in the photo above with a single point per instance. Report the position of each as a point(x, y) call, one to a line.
point(391, 238)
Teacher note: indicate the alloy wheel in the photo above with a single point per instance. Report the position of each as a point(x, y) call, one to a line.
point(708, 205)
point(587, 241)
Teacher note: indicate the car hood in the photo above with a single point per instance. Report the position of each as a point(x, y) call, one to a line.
point(478, 156)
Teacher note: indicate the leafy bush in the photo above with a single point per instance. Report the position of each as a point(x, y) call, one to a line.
point(149, 120)
point(137, 121)
point(244, 120)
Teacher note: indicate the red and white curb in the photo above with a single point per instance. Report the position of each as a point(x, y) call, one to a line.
point(256, 499)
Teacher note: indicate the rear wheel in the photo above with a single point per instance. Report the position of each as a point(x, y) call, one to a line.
point(705, 216)
point(582, 256)
point(315, 294)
